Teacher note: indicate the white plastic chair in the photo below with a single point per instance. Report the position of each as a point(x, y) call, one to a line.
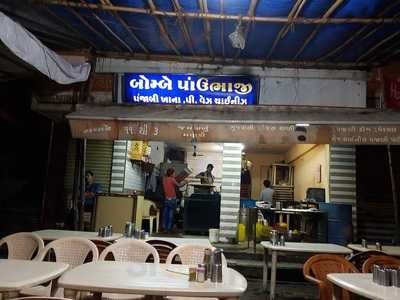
point(147, 206)
point(190, 255)
point(129, 251)
point(22, 245)
point(41, 298)
point(70, 250)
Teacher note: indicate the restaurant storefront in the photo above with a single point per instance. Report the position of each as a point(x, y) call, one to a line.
point(173, 108)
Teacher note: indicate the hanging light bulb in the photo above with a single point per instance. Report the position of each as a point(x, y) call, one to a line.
point(237, 37)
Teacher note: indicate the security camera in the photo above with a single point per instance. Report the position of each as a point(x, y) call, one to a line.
point(301, 133)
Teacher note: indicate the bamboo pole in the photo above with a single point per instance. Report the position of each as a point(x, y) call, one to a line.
point(292, 16)
point(326, 16)
point(68, 25)
point(221, 5)
point(183, 26)
point(385, 54)
point(113, 33)
point(164, 33)
point(380, 43)
point(206, 26)
point(388, 56)
point(394, 197)
point(357, 33)
point(213, 16)
point(250, 13)
point(296, 15)
point(126, 27)
point(108, 28)
point(92, 29)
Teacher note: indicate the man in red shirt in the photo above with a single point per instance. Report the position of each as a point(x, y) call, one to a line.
point(170, 184)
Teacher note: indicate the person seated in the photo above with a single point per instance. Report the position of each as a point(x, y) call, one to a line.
point(91, 189)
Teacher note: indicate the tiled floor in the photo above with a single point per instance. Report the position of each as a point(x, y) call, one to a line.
point(284, 291)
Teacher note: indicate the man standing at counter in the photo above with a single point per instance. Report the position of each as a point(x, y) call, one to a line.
point(267, 193)
point(206, 177)
point(170, 185)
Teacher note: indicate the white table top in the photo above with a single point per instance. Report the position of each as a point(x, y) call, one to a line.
point(18, 274)
point(54, 234)
point(361, 284)
point(148, 279)
point(391, 250)
point(302, 210)
point(308, 248)
point(178, 241)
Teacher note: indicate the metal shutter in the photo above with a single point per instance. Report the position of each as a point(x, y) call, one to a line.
point(98, 160)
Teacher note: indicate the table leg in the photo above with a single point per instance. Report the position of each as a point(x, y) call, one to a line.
point(152, 297)
point(288, 221)
point(71, 294)
point(9, 295)
point(337, 292)
point(274, 259)
point(265, 269)
point(254, 237)
point(53, 287)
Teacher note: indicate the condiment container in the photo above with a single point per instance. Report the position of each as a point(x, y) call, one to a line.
point(378, 246)
point(201, 273)
point(207, 262)
point(192, 274)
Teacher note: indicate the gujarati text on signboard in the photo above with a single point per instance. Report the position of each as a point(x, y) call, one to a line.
point(189, 89)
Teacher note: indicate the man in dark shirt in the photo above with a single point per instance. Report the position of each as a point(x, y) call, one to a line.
point(206, 177)
point(91, 189)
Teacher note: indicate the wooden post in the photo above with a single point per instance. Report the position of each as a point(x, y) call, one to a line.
point(46, 177)
point(75, 193)
point(83, 184)
point(394, 197)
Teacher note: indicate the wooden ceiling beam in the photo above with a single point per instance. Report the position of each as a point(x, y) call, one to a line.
point(356, 33)
point(206, 26)
point(213, 16)
point(164, 33)
point(223, 60)
point(126, 27)
point(325, 17)
point(183, 26)
point(294, 12)
point(250, 13)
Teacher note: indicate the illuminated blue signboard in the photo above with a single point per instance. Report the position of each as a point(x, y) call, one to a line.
point(190, 89)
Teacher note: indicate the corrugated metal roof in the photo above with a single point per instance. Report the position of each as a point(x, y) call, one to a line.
point(325, 31)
